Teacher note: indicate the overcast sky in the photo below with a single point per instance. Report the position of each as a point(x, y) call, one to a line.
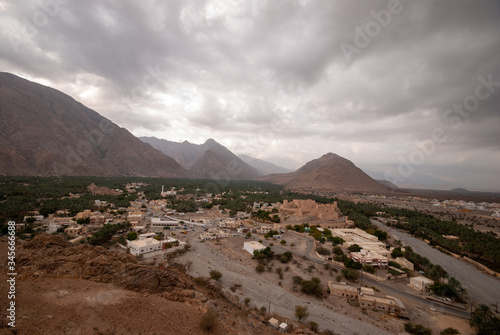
point(286, 81)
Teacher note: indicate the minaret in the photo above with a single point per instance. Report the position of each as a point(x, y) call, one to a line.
point(162, 192)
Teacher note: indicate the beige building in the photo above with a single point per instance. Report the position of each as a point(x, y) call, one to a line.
point(405, 263)
point(420, 283)
point(387, 304)
point(308, 208)
point(97, 220)
point(367, 299)
point(343, 290)
point(75, 231)
point(83, 215)
point(135, 218)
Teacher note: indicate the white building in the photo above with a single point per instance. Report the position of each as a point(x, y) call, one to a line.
point(420, 283)
point(146, 235)
point(139, 247)
point(158, 225)
point(53, 227)
point(252, 246)
point(283, 327)
point(366, 257)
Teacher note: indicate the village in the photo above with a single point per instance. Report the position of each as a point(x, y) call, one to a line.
point(351, 271)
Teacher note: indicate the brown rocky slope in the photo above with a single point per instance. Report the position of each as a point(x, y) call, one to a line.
point(46, 132)
point(329, 173)
point(64, 289)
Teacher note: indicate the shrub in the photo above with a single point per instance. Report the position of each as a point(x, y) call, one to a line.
point(450, 331)
point(322, 251)
point(208, 320)
point(301, 312)
point(312, 287)
point(215, 275)
point(417, 329)
point(285, 257)
point(260, 268)
point(350, 274)
point(369, 269)
point(313, 326)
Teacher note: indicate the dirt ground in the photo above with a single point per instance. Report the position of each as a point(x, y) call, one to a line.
point(63, 306)
point(268, 290)
point(48, 304)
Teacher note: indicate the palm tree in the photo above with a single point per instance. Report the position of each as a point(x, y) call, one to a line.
point(481, 317)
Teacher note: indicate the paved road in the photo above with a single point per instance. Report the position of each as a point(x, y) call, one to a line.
point(482, 288)
point(311, 255)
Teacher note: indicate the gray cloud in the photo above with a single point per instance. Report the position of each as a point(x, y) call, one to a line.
point(270, 78)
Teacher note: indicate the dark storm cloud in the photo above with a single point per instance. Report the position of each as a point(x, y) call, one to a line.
point(273, 76)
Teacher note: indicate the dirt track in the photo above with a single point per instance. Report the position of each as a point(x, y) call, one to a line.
point(237, 267)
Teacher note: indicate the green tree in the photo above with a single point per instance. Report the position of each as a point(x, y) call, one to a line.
point(397, 253)
point(350, 275)
point(132, 236)
point(301, 312)
point(382, 235)
point(354, 248)
point(484, 320)
point(312, 287)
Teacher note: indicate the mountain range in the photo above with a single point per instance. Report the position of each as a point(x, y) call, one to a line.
point(46, 132)
point(209, 160)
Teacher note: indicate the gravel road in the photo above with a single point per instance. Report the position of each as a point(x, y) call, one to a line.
point(236, 268)
point(482, 288)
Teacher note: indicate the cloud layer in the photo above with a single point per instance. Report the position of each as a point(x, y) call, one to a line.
point(287, 80)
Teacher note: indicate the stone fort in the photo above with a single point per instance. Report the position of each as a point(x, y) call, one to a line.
point(308, 208)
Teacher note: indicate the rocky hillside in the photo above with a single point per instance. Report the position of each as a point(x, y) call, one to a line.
point(46, 132)
point(220, 163)
point(209, 160)
point(64, 289)
point(329, 173)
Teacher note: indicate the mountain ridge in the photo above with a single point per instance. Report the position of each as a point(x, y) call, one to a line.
point(329, 173)
point(46, 132)
point(209, 160)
